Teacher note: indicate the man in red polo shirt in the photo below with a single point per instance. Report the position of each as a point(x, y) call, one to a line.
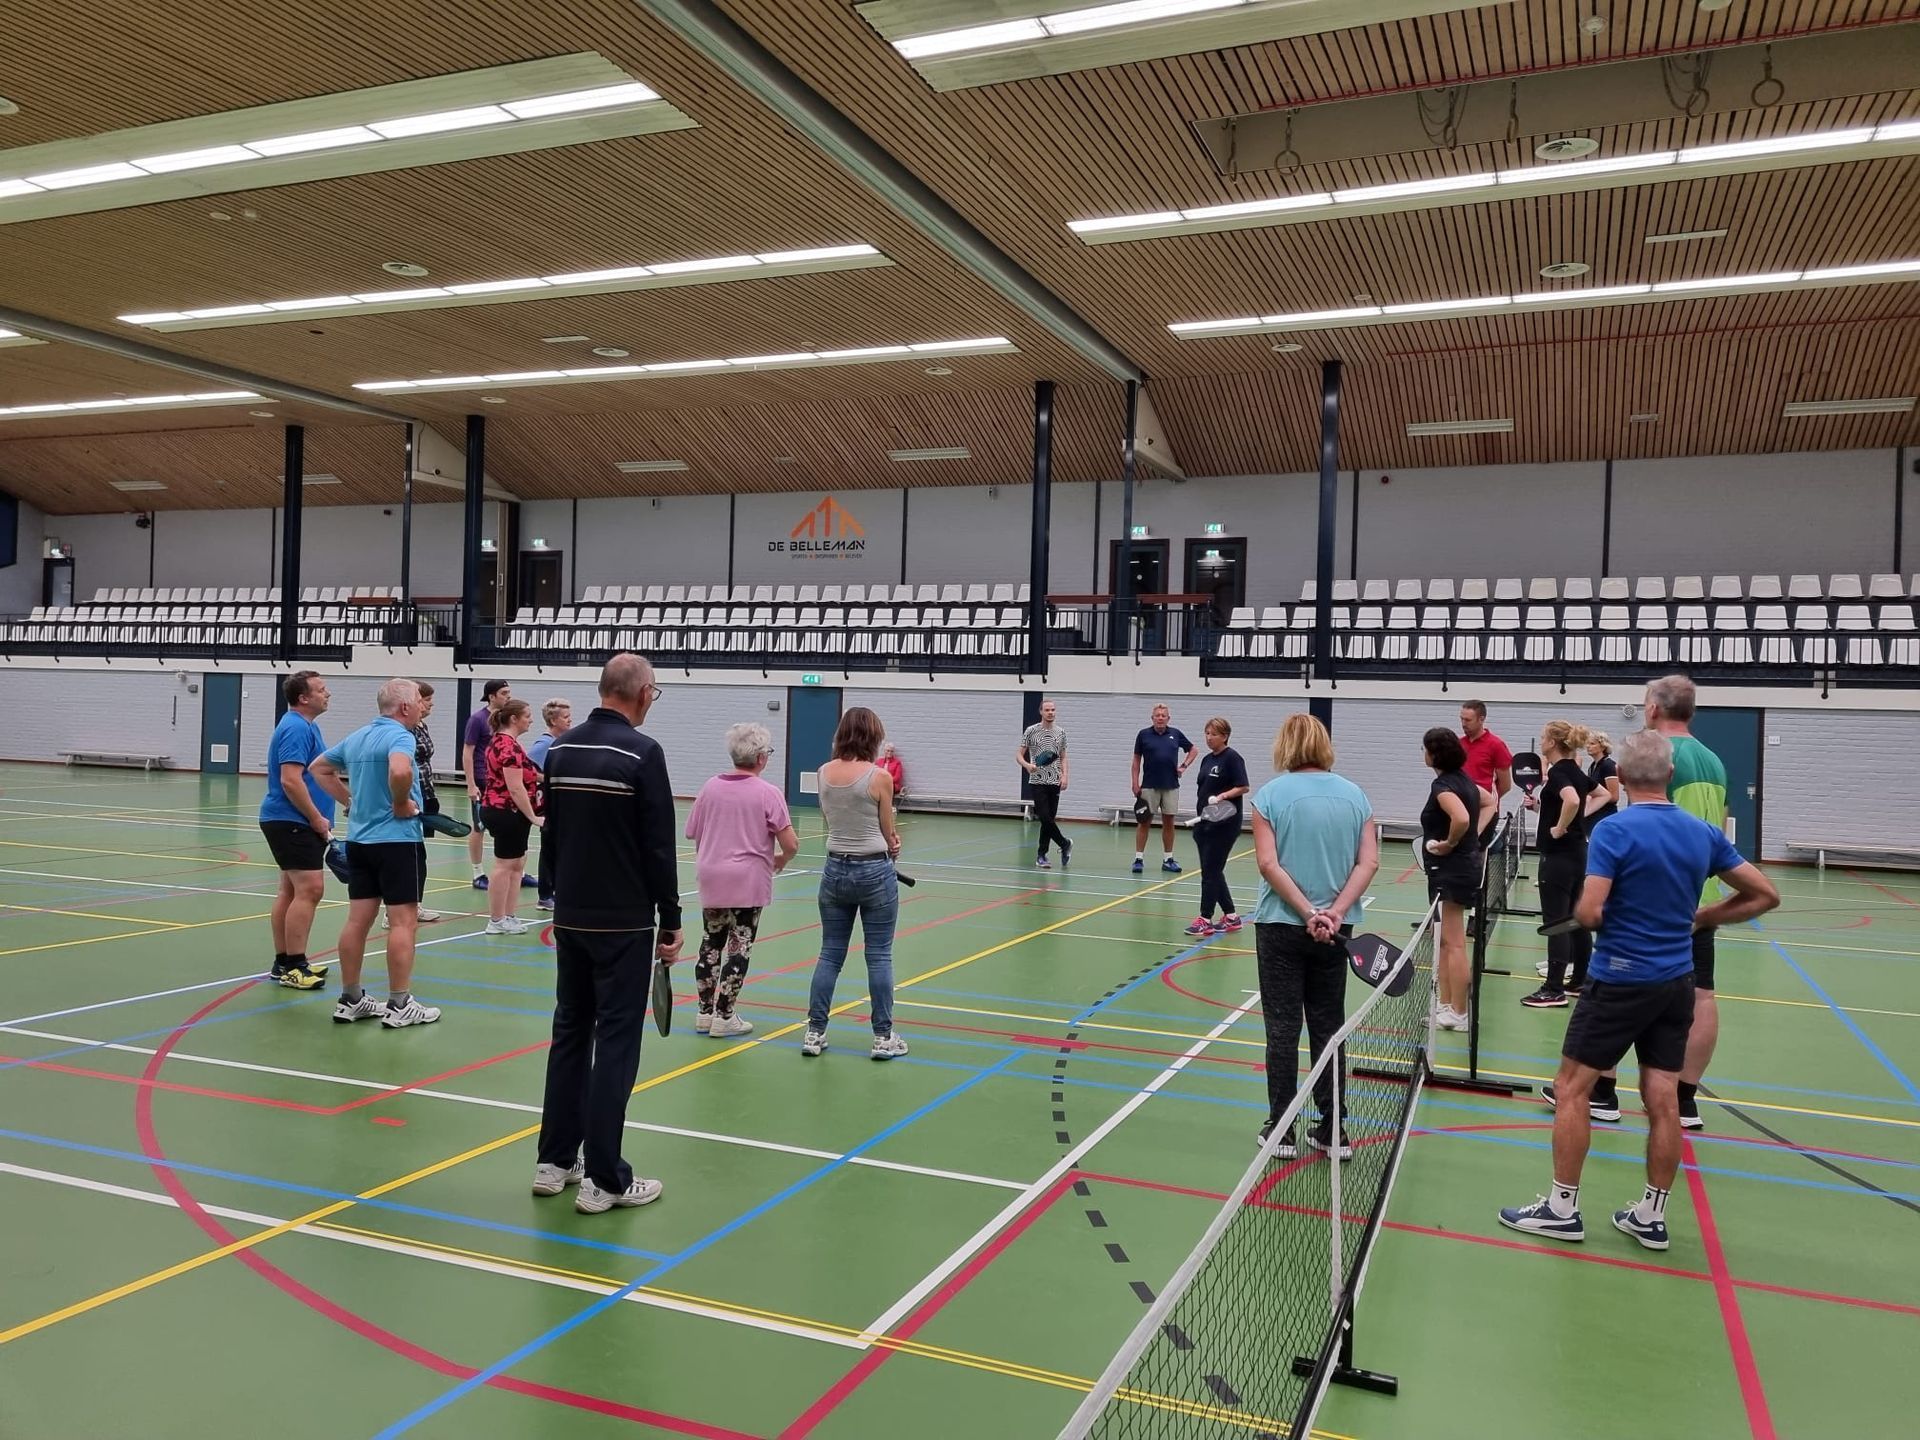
point(1489, 761)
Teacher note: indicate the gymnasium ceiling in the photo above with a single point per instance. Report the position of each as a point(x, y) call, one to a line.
point(1018, 159)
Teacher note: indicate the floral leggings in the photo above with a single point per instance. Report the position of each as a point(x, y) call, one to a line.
point(726, 945)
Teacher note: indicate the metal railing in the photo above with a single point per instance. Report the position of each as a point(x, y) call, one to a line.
point(164, 632)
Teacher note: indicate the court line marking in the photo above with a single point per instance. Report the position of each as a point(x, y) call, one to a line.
point(93, 915)
point(1873, 1049)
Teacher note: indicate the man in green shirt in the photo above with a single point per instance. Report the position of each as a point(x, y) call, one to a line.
point(1699, 787)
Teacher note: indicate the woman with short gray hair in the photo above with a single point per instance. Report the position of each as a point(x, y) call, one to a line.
point(738, 823)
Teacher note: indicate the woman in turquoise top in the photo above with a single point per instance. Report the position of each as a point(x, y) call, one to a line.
point(1317, 849)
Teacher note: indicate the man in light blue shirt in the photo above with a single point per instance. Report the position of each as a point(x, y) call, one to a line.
point(377, 765)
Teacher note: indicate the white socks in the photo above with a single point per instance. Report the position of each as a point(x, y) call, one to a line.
point(1652, 1206)
point(1563, 1200)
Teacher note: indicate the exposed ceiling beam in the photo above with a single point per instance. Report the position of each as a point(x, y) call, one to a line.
point(714, 35)
point(120, 345)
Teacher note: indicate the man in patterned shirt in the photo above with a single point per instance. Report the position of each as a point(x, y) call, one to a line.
point(1043, 755)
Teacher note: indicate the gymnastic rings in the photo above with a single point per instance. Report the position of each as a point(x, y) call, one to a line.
point(1767, 85)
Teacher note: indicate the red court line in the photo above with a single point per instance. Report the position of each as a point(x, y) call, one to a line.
point(147, 1082)
point(1752, 1393)
point(1875, 884)
point(458, 1070)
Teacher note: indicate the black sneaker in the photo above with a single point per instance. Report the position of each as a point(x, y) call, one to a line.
point(1545, 999)
point(1599, 1107)
point(1690, 1114)
point(1321, 1138)
point(1066, 853)
point(1285, 1150)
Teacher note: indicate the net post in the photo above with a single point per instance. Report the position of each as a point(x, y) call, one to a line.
point(1336, 1216)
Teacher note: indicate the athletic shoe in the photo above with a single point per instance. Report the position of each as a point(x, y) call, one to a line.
point(1540, 968)
point(1170, 865)
point(480, 882)
point(547, 904)
point(1285, 1150)
point(1451, 1019)
point(551, 1179)
point(411, 1013)
point(365, 1008)
point(887, 1047)
point(512, 925)
point(529, 882)
point(1690, 1117)
point(1229, 923)
point(703, 1022)
point(1321, 1138)
point(1139, 867)
point(1545, 999)
point(1607, 1109)
point(298, 977)
point(725, 1025)
point(1042, 863)
point(813, 1042)
point(1201, 926)
point(1539, 1219)
point(592, 1200)
point(429, 917)
point(1652, 1234)
point(1066, 854)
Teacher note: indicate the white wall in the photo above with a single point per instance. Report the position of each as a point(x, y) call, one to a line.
point(1487, 522)
point(110, 550)
point(20, 586)
point(44, 712)
point(192, 546)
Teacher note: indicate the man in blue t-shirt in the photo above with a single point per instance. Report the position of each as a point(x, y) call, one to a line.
point(296, 816)
point(1161, 755)
point(1646, 868)
point(373, 772)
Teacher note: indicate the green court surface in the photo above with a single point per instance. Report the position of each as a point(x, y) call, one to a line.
point(227, 1216)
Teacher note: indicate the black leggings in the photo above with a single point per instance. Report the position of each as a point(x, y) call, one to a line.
point(1215, 843)
point(1563, 874)
point(1046, 804)
point(1301, 980)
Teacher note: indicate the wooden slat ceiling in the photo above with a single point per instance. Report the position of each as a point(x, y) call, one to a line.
point(1019, 160)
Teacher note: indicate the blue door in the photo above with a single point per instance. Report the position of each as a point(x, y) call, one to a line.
point(220, 724)
point(813, 714)
point(1735, 736)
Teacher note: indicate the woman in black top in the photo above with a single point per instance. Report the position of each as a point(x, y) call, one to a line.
point(1456, 813)
point(1223, 776)
point(1605, 775)
point(1562, 801)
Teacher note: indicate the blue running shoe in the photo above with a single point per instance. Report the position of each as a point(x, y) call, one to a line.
point(1066, 853)
point(1539, 1219)
point(1170, 865)
point(1042, 863)
point(480, 882)
point(1139, 866)
point(529, 882)
point(1650, 1233)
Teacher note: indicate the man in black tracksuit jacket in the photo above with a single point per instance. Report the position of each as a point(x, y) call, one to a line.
point(610, 829)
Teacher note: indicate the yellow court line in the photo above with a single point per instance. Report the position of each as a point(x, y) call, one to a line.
point(1064, 1020)
point(141, 854)
point(93, 915)
point(1732, 1100)
point(184, 1267)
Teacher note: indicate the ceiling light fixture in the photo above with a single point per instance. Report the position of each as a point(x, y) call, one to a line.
point(1643, 417)
point(132, 402)
point(648, 467)
point(1884, 405)
point(316, 480)
point(1674, 237)
point(1901, 137)
point(611, 352)
point(1586, 297)
point(558, 339)
point(138, 484)
point(718, 270)
point(263, 414)
point(1460, 427)
point(791, 360)
point(947, 452)
point(405, 267)
point(1565, 269)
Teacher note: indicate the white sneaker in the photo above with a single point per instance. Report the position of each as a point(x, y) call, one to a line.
point(592, 1200)
point(887, 1047)
point(1540, 968)
point(702, 1022)
point(428, 917)
point(512, 925)
point(411, 1013)
point(724, 1025)
point(813, 1043)
point(1451, 1019)
point(365, 1008)
point(551, 1179)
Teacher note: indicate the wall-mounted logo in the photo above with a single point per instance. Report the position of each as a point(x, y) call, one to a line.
point(827, 531)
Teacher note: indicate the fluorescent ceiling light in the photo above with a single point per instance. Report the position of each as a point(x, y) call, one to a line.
point(1673, 237)
point(1435, 307)
point(582, 282)
point(1727, 282)
point(1865, 272)
point(316, 479)
point(948, 452)
point(1586, 296)
point(599, 99)
point(440, 121)
point(135, 402)
point(1886, 405)
point(1902, 137)
point(1131, 12)
point(972, 37)
point(88, 175)
point(648, 467)
point(1308, 317)
point(791, 360)
point(312, 140)
point(10, 188)
point(1460, 427)
point(194, 159)
point(138, 484)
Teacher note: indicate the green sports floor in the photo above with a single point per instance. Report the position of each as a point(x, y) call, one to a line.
point(225, 1216)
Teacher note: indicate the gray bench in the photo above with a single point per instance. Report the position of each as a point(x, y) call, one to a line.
point(964, 805)
point(115, 757)
point(1860, 851)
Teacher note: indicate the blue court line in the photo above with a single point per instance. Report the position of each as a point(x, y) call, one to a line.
point(1134, 984)
point(1845, 1019)
point(678, 1259)
point(294, 1188)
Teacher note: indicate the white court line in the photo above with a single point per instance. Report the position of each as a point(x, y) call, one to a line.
point(140, 884)
point(110, 819)
point(904, 1306)
point(519, 1107)
point(465, 1262)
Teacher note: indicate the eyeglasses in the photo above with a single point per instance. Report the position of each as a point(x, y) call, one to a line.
point(654, 692)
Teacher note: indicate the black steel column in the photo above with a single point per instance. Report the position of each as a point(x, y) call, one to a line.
point(1042, 502)
point(293, 468)
point(1606, 525)
point(1899, 504)
point(406, 526)
point(1323, 664)
point(476, 499)
point(1120, 620)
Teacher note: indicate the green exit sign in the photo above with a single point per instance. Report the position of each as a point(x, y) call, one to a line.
point(1139, 532)
point(809, 679)
point(1214, 527)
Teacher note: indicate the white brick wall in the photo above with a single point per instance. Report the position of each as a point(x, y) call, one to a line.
point(950, 742)
point(43, 712)
point(1834, 775)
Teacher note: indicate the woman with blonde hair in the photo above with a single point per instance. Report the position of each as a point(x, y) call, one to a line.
point(1316, 845)
point(1562, 800)
point(1605, 775)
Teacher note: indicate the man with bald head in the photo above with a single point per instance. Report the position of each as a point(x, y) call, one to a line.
point(609, 841)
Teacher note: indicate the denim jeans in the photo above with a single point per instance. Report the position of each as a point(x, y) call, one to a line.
point(865, 887)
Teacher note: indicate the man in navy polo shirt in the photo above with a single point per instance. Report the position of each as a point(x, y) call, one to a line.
point(1646, 868)
point(1161, 755)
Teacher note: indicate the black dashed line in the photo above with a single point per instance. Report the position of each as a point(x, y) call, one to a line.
point(1143, 1292)
point(1177, 1336)
point(1096, 1219)
point(1081, 1189)
point(1117, 1255)
point(1059, 1116)
point(1063, 1137)
point(1224, 1392)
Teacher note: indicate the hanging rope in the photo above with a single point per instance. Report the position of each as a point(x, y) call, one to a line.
point(1773, 89)
point(1440, 113)
point(1685, 79)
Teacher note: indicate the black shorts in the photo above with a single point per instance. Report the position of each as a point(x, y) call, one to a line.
point(1452, 889)
point(1650, 1020)
point(390, 872)
point(1703, 960)
point(295, 844)
point(510, 830)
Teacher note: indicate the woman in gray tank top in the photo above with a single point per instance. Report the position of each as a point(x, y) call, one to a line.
point(856, 800)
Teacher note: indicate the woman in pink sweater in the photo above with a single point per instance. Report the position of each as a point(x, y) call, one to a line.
point(742, 837)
